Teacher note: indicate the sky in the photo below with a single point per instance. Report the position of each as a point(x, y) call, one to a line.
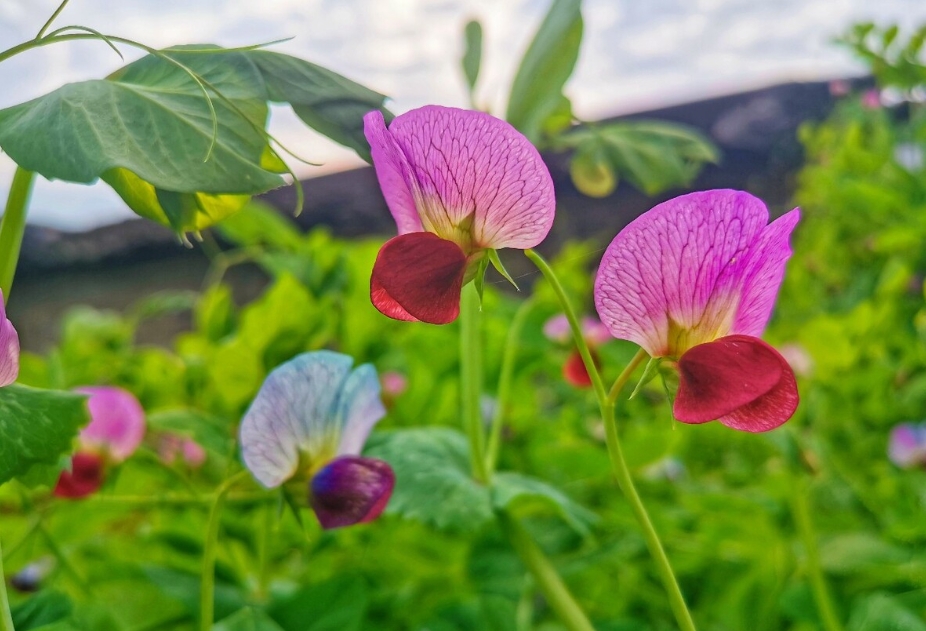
point(635, 56)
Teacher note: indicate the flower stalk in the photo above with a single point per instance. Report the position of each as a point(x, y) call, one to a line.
point(6, 618)
point(471, 381)
point(207, 584)
point(13, 226)
point(607, 404)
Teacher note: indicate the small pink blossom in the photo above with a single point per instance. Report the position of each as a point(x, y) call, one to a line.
point(594, 333)
point(394, 383)
point(9, 348)
point(170, 446)
point(118, 422)
point(871, 99)
point(907, 445)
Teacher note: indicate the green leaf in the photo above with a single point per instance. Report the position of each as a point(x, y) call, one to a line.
point(44, 608)
point(247, 619)
point(36, 427)
point(512, 490)
point(550, 59)
point(148, 129)
point(324, 100)
point(432, 463)
point(591, 170)
point(260, 224)
point(472, 57)
point(882, 612)
point(339, 604)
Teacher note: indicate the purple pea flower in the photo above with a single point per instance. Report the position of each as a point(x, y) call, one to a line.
point(9, 348)
point(307, 424)
point(458, 183)
point(907, 445)
point(694, 280)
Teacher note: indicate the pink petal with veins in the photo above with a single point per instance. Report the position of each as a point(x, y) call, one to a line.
point(117, 422)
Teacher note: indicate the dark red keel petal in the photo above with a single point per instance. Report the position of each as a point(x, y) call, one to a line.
point(418, 276)
point(574, 371)
point(740, 381)
point(351, 490)
point(84, 478)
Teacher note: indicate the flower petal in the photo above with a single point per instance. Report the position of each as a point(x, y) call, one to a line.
point(393, 172)
point(462, 165)
point(117, 421)
point(351, 490)
point(84, 478)
point(740, 381)
point(676, 276)
point(574, 371)
point(907, 445)
point(418, 276)
point(308, 411)
point(9, 349)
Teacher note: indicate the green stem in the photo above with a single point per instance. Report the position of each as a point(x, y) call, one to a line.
point(6, 618)
point(549, 581)
point(504, 382)
point(471, 380)
point(800, 509)
point(607, 403)
point(13, 225)
point(207, 584)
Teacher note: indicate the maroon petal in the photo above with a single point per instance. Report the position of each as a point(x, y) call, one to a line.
point(574, 371)
point(740, 381)
point(84, 478)
point(418, 276)
point(351, 490)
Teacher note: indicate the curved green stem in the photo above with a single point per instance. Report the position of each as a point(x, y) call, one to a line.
point(800, 509)
point(53, 17)
point(504, 382)
point(6, 618)
point(548, 580)
point(207, 583)
point(607, 403)
point(13, 226)
point(471, 380)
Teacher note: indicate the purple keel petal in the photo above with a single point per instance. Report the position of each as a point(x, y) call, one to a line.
point(907, 445)
point(9, 349)
point(117, 421)
point(675, 276)
point(351, 490)
point(473, 178)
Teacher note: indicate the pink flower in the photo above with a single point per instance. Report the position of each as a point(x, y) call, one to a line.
point(593, 331)
point(458, 183)
point(907, 445)
point(695, 280)
point(9, 348)
point(871, 99)
point(394, 383)
point(172, 445)
point(116, 429)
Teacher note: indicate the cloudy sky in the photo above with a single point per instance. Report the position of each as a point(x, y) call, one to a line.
point(635, 55)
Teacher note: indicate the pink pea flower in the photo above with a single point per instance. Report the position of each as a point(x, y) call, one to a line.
point(595, 334)
point(308, 424)
point(116, 429)
point(907, 445)
point(458, 183)
point(871, 99)
point(170, 446)
point(9, 348)
point(694, 280)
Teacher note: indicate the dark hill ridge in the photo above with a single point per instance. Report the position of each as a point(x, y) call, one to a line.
point(113, 266)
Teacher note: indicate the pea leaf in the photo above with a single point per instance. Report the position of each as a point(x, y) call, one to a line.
point(511, 490)
point(536, 91)
point(36, 427)
point(247, 619)
point(324, 100)
point(338, 604)
point(433, 482)
point(472, 57)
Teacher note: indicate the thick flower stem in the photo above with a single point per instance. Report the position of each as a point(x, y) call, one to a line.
point(207, 581)
point(6, 618)
point(607, 403)
point(548, 580)
point(471, 380)
point(13, 225)
point(800, 509)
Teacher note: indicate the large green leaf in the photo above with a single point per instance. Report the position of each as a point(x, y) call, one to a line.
point(536, 91)
point(324, 100)
point(36, 427)
point(433, 480)
point(513, 491)
point(247, 619)
point(339, 604)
